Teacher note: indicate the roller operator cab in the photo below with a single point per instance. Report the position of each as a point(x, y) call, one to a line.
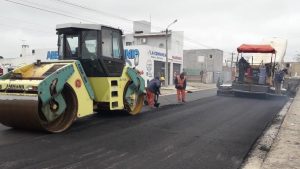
point(98, 48)
point(90, 76)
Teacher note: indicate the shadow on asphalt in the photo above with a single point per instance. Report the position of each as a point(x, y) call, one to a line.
point(18, 131)
point(90, 121)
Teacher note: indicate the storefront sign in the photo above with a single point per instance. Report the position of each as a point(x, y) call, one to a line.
point(131, 53)
point(176, 57)
point(52, 55)
point(157, 55)
point(132, 57)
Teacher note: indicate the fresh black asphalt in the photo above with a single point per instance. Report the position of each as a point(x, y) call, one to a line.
point(213, 132)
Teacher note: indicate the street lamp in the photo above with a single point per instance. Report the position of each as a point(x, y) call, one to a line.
point(166, 64)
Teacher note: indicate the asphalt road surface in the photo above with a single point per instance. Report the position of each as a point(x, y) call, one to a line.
point(212, 132)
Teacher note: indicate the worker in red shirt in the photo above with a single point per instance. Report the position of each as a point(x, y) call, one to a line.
point(180, 85)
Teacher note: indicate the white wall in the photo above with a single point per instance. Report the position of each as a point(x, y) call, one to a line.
point(147, 56)
point(40, 54)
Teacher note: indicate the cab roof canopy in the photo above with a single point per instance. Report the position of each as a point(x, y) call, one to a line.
point(247, 48)
point(81, 26)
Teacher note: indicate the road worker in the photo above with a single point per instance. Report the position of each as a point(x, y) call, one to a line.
point(278, 78)
point(153, 89)
point(180, 85)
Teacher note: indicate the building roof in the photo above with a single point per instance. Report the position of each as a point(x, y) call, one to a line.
point(151, 34)
point(201, 50)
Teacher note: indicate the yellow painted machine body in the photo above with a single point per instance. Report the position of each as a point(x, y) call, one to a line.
point(90, 76)
point(97, 93)
point(32, 76)
point(111, 90)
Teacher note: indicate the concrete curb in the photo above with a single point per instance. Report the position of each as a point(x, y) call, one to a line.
point(259, 151)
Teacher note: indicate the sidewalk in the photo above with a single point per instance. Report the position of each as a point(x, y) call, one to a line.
point(192, 86)
point(285, 151)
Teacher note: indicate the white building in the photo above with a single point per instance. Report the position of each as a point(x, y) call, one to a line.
point(146, 51)
point(29, 56)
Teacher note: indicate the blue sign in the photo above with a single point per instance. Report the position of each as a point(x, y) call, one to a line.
point(52, 55)
point(131, 53)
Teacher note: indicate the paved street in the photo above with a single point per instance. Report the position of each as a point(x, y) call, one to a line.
point(211, 132)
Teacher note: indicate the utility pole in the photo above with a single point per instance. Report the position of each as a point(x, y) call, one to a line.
point(231, 60)
point(167, 58)
point(231, 64)
point(167, 61)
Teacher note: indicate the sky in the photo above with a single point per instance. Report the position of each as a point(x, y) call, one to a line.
point(222, 24)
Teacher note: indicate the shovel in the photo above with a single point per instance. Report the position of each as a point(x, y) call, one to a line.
point(156, 104)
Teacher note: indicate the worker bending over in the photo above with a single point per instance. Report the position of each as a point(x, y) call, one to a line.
point(180, 85)
point(153, 89)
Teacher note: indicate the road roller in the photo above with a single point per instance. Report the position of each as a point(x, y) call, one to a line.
point(90, 76)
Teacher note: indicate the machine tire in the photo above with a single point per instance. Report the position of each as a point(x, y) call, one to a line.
point(67, 118)
point(138, 104)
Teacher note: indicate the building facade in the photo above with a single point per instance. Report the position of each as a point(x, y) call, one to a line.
point(146, 51)
point(209, 62)
point(293, 68)
point(28, 56)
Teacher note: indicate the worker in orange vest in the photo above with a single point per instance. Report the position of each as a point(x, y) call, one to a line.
point(180, 85)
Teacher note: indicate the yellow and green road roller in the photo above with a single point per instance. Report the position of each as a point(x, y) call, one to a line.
point(90, 76)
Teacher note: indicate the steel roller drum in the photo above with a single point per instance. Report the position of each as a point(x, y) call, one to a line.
point(20, 111)
point(23, 111)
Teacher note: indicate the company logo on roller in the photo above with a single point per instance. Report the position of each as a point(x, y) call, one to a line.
point(15, 87)
point(78, 83)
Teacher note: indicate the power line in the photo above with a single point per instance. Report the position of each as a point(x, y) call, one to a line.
point(53, 12)
point(187, 39)
point(49, 11)
point(21, 20)
point(115, 16)
point(101, 12)
point(91, 9)
point(26, 28)
point(191, 40)
point(67, 12)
